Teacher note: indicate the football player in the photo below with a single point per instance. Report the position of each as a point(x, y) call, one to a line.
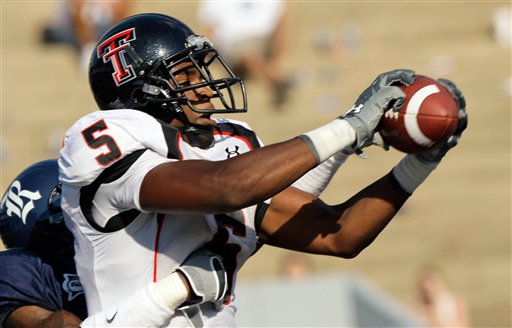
point(38, 280)
point(151, 177)
point(39, 286)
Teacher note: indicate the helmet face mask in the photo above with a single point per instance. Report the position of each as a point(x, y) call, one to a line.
point(54, 210)
point(227, 91)
point(137, 70)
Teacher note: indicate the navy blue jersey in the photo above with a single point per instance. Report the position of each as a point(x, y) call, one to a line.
point(50, 283)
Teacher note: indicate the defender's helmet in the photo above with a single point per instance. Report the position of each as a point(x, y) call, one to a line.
point(30, 212)
point(130, 68)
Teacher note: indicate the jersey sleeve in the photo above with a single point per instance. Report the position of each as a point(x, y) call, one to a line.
point(26, 280)
point(100, 139)
point(123, 193)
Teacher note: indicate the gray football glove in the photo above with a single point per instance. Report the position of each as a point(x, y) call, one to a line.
point(383, 94)
point(364, 118)
point(206, 275)
point(435, 155)
point(397, 77)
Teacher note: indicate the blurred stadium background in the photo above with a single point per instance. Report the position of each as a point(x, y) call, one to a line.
point(460, 219)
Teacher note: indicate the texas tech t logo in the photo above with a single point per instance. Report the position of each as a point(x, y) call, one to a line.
point(112, 49)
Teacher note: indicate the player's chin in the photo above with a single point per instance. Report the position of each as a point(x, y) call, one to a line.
point(203, 118)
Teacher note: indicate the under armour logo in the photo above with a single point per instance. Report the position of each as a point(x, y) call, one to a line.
point(112, 49)
point(19, 202)
point(72, 285)
point(354, 110)
point(232, 153)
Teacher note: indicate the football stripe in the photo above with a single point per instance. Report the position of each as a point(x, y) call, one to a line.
point(411, 115)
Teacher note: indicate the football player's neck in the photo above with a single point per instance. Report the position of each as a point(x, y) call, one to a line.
point(176, 123)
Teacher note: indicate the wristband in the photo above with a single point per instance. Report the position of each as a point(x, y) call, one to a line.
point(141, 309)
point(329, 139)
point(170, 291)
point(410, 172)
point(316, 180)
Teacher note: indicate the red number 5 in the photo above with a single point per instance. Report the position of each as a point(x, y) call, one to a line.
point(97, 141)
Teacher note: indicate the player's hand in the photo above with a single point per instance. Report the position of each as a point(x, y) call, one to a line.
point(365, 117)
point(383, 94)
point(397, 77)
point(456, 93)
point(435, 155)
point(206, 275)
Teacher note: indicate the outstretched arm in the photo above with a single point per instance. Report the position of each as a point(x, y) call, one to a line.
point(229, 185)
point(298, 221)
point(225, 186)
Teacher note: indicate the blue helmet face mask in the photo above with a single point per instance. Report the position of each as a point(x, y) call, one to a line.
point(30, 212)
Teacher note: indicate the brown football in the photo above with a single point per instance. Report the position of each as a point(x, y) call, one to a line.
point(429, 117)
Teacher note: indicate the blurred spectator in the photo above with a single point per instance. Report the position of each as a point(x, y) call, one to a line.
point(252, 37)
point(295, 266)
point(437, 304)
point(80, 23)
point(344, 39)
point(502, 26)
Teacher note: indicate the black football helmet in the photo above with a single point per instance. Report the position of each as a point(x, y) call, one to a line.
point(30, 212)
point(131, 64)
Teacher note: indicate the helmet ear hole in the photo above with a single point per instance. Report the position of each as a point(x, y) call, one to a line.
point(139, 96)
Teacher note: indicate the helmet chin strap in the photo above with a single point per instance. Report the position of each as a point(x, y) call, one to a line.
point(196, 135)
point(179, 113)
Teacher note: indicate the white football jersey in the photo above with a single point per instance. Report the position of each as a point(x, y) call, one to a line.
point(120, 248)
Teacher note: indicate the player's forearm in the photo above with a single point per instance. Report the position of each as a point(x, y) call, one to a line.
point(215, 187)
point(366, 214)
point(62, 319)
point(142, 309)
point(241, 181)
point(31, 316)
point(153, 305)
point(264, 173)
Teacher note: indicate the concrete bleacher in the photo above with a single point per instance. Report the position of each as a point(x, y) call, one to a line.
point(324, 300)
